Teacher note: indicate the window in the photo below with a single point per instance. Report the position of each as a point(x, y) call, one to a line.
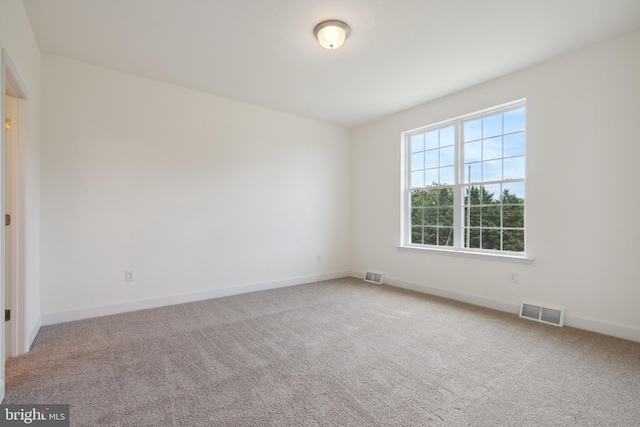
point(465, 182)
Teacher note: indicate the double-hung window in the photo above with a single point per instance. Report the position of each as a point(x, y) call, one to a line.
point(465, 182)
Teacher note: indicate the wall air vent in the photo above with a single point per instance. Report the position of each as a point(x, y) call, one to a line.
point(542, 313)
point(373, 277)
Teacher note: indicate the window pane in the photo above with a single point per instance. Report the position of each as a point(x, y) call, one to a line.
point(474, 193)
point(476, 172)
point(514, 168)
point(472, 217)
point(445, 216)
point(492, 148)
point(416, 198)
point(514, 189)
point(445, 197)
point(431, 216)
point(417, 179)
point(431, 159)
point(491, 216)
point(447, 136)
point(416, 216)
point(474, 235)
point(446, 156)
point(492, 126)
point(514, 121)
point(492, 170)
point(417, 142)
point(446, 175)
point(417, 161)
point(513, 240)
point(431, 198)
point(514, 144)
point(416, 235)
point(445, 237)
point(491, 194)
point(431, 177)
point(430, 236)
point(513, 216)
point(472, 130)
point(473, 152)
point(490, 239)
point(431, 140)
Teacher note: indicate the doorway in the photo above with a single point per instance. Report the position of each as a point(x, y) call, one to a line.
point(11, 125)
point(13, 340)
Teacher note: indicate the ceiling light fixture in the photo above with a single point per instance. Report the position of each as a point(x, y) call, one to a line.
point(331, 34)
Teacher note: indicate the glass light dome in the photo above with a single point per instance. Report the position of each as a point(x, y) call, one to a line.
point(332, 34)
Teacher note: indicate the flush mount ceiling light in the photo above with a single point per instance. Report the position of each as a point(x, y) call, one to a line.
point(331, 34)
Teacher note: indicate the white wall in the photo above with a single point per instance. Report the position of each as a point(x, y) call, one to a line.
point(197, 193)
point(583, 201)
point(17, 38)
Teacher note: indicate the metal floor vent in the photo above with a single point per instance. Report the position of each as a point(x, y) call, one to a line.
point(373, 277)
point(540, 313)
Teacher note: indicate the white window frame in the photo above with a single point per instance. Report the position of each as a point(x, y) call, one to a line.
point(458, 186)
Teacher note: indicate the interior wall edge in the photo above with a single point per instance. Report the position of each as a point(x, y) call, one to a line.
point(33, 334)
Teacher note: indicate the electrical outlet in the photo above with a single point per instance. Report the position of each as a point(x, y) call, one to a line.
point(318, 258)
point(513, 277)
point(130, 275)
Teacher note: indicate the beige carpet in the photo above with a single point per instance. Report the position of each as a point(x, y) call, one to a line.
point(340, 352)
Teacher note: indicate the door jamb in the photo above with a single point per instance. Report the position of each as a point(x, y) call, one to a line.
point(10, 80)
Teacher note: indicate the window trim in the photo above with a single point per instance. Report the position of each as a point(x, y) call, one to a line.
point(468, 253)
point(405, 208)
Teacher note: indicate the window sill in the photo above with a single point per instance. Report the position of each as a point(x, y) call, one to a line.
point(520, 259)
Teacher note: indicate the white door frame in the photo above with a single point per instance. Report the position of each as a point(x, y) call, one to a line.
point(12, 85)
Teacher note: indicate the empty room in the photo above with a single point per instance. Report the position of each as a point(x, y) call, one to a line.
point(320, 213)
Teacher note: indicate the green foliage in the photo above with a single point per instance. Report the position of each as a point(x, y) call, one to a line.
point(432, 217)
point(492, 222)
point(495, 222)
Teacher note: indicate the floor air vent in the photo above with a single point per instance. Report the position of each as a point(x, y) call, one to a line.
point(373, 277)
point(540, 313)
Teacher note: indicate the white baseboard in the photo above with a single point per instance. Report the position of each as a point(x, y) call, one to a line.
point(32, 334)
point(106, 310)
point(601, 327)
point(454, 295)
point(573, 321)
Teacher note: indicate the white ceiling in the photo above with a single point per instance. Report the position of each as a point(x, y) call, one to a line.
point(400, 53)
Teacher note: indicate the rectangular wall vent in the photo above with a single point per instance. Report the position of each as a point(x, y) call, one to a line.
point(373, 277)
point(542, 313)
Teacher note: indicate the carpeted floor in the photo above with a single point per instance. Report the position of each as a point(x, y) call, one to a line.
point(339, 352)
